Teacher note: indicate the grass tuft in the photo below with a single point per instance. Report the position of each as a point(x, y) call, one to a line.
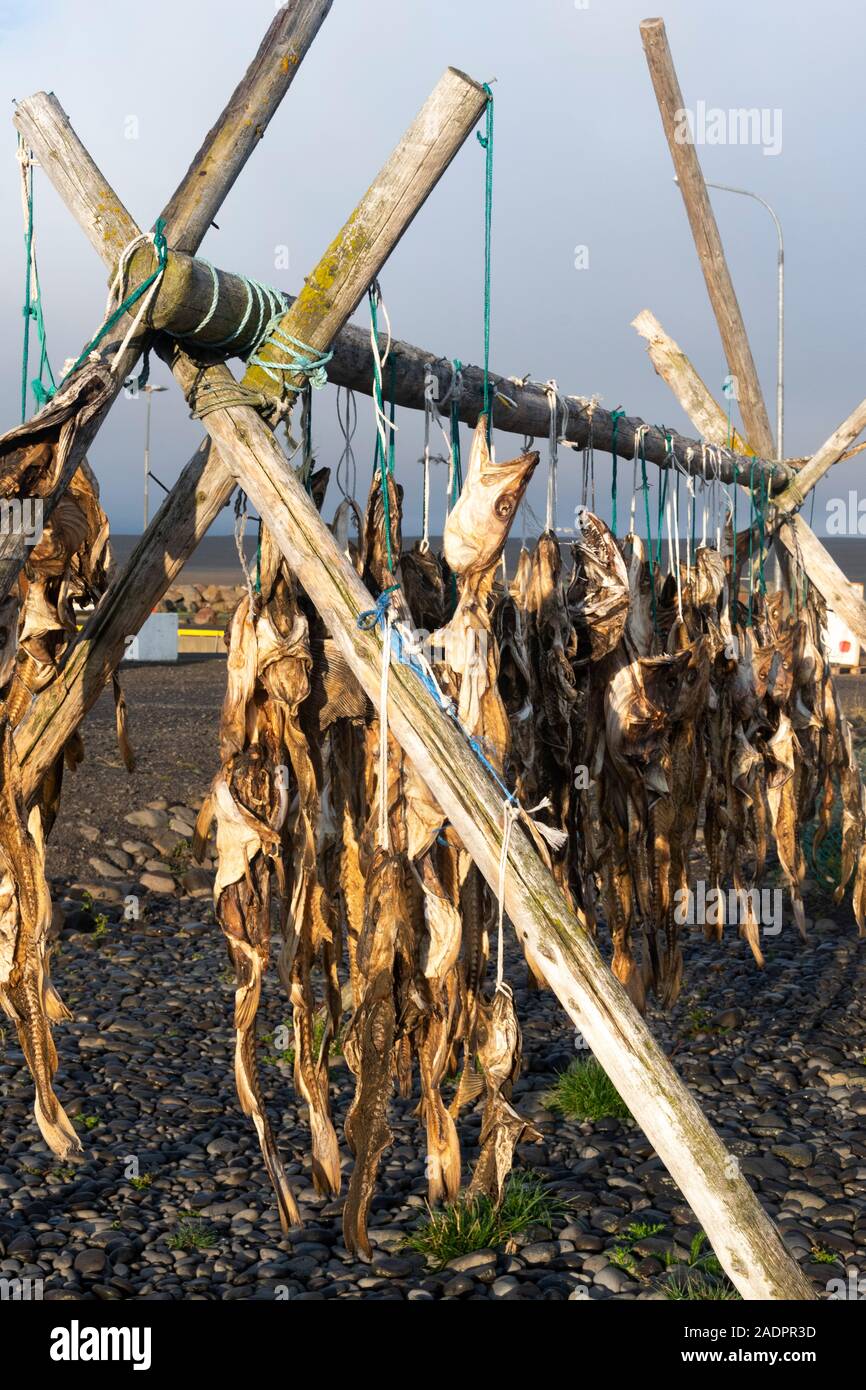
point(585, 1092)
point(192, 1233)
point(476, 1223)
point(700, 1288)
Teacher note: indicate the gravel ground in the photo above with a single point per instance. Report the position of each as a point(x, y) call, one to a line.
point(776, 1060)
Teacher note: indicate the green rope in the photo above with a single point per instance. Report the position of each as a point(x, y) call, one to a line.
point(663, 496)
point(765, 490)
point(32, 313)
point(392, 415)
point(259, 559)
point(486, 142)
point(645, 488)
point(456, 462)
point(161, 248)
point(617, 416)
point(380, 460)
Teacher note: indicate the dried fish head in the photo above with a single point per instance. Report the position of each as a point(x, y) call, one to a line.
point(478, 525)
point(709, 578)
point(424, 586)
point(639, 622)
point(598, 594)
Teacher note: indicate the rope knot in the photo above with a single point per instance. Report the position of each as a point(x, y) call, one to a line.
point(375, 617)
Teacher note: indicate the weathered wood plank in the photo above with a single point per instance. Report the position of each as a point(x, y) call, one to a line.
point(793, 532)
point(242, 122)
point(830, 452)
point(187, 294)
point(205, 485)
point(46, 129)
point(708, 242)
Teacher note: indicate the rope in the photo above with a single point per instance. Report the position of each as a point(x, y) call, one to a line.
point(616, 417)
point(384, 832)
point(207, 395)
point(431, 386)
point(486, 142)
point(347, 468)
point(383, 424)
point(402, 644)
point(510, 816)
point(32, 307)
point(300, 359)
point(277, 303)
point(145, 292)
point(640, 432)
point(554, 400)
point(455, 474)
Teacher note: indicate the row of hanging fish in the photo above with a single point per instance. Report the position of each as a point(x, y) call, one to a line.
point(624, 710)
point(65, 564)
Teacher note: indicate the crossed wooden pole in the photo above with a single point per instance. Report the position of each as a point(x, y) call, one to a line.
point(242, 450)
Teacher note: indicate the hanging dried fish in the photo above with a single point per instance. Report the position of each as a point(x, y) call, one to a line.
point(27, 995)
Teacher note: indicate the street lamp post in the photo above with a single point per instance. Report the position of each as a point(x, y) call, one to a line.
point(780, 336)
point(148, 390)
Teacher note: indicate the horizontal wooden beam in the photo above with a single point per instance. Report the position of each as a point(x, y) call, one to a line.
point(193, 294)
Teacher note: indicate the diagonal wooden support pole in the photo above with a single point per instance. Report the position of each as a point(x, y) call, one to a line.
point(708, 242)
point(793, 531)
point(348, 266)
point(744, 1238)
point(46, 130)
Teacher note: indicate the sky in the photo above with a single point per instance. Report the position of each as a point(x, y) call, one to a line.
point(580, 162)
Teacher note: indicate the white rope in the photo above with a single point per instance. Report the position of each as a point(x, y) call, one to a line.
point(431, 387)
point(25, 164)
point(672, 510)
point(510, 816)
point(116, 292)
point(638, 440)
point(705, 511)
point(691, 503)
point(383, 424)
point(554, 401)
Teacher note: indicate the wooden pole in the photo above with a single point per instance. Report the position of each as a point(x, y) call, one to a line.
point(187, 295)
point(820, 463)
point(793, 532)
point(242, 123)
point(691, 391)
point(744, 1238)
point(45, 129)
point(205, 485)
point(708, 242)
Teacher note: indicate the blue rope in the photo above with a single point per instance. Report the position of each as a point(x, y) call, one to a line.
point(375, 617)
